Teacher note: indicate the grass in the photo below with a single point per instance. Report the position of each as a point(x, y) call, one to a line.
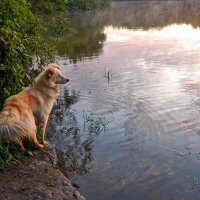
point(9, 155)
point(96, 122)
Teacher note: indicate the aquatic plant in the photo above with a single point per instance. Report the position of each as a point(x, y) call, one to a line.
point(97, 123)
point(108, 74)
point(193, 183)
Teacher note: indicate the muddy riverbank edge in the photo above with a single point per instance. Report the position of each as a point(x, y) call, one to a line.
point(37, 177)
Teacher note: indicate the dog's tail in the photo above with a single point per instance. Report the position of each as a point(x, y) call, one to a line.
point(12, 130)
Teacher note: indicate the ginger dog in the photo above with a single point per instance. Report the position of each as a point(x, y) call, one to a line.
point(25, 113)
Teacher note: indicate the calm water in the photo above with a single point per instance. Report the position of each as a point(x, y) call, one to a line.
point(128, 124)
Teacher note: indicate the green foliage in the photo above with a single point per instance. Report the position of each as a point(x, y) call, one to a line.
point(9, 155)
point(87, 4)
point(26, 38)
point(14, 45)
point(53, 15)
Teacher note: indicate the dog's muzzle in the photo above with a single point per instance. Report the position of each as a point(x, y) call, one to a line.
point(65, 80)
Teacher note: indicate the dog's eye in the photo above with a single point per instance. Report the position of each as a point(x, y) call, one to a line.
point(59, 76)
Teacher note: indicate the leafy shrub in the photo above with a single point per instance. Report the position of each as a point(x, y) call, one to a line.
point(26, 38)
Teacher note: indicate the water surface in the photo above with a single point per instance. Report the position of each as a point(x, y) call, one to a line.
point(137, 67)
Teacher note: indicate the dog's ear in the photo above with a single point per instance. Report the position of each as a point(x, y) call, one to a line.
point(49, 72)
point(54, 66)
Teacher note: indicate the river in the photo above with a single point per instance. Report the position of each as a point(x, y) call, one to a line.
point(127, 125)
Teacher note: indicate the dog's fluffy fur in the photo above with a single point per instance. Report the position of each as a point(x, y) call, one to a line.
point(23, 114)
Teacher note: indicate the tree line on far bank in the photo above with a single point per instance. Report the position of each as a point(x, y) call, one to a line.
point(87, 4)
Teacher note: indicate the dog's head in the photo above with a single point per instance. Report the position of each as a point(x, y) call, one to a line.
point(54, 76)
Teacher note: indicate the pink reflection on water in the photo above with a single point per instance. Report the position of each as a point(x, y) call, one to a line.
point(172, 44)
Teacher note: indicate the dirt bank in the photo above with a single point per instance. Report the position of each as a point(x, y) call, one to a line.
point(37, 178)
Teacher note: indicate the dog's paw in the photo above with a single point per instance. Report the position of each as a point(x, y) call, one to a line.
point(40, 146)
point(45, 142)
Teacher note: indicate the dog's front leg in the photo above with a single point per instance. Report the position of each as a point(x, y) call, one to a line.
point(42, 127)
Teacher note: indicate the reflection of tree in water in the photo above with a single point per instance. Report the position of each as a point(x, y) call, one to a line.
point(77, 154)
point(74, 148)
point(89, 37)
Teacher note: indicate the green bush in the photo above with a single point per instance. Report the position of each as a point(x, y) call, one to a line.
point(26, 38)
point(14, 42)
